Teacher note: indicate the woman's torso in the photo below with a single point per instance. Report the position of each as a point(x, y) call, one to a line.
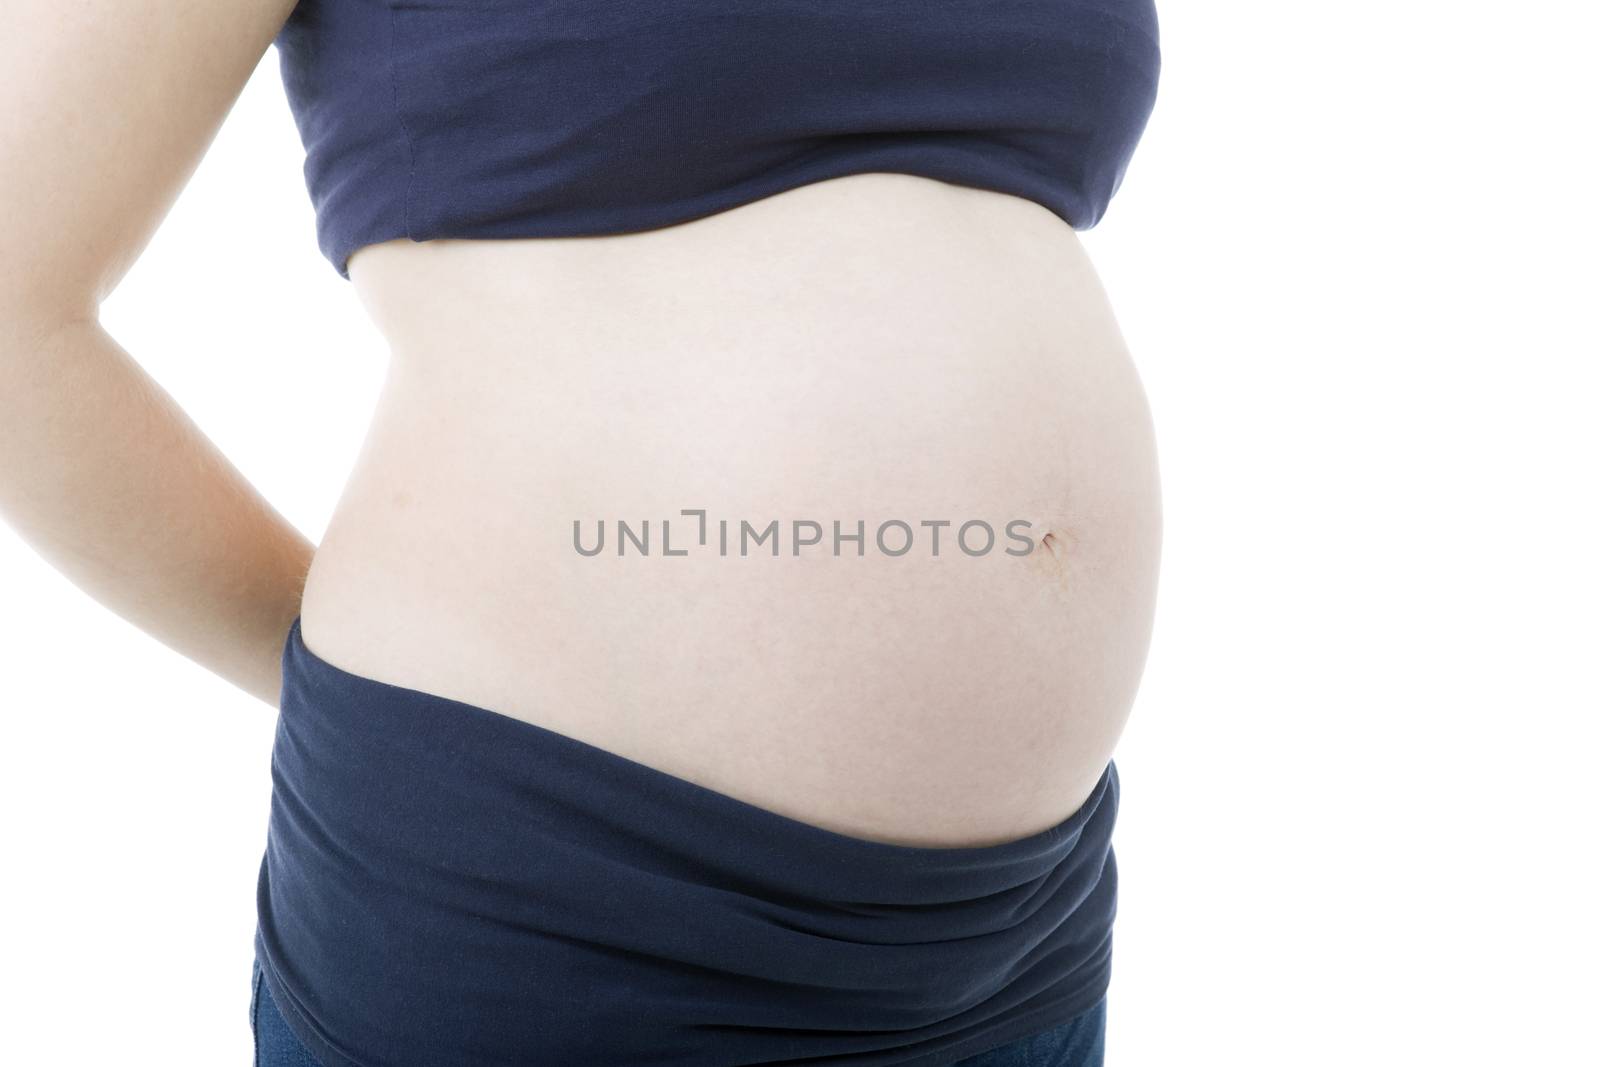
point(877, 348)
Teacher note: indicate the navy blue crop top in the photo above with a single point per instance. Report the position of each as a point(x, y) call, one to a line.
point(525, 118)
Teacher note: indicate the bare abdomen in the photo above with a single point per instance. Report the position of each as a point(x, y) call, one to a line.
point(906, 359)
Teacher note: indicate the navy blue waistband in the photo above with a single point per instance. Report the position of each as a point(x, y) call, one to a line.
point(444, 884)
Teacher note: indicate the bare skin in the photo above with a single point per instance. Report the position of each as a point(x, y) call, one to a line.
point(99, 470)
point(875, 347)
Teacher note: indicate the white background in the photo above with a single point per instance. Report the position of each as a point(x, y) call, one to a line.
point(1355, 259)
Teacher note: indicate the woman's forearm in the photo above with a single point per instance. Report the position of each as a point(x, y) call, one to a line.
point(118, 489)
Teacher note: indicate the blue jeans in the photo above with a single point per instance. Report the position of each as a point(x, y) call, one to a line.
point(1079, 1043)
point(276, 1045)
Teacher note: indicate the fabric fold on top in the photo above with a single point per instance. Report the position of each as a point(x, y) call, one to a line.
point(429, 119)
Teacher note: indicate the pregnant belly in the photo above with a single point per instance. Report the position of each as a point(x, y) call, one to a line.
point(843, 503)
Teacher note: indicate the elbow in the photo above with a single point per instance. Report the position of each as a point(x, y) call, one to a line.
point(37, 303)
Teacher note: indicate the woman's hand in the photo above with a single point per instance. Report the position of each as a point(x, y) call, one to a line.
point(106, 107)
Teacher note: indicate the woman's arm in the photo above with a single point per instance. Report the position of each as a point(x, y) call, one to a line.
point(106, 107)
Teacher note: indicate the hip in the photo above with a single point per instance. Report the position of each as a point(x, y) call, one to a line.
point(444, 884)
point(1079, 1042)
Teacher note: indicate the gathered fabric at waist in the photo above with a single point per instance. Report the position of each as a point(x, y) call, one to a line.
point(444, 884)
